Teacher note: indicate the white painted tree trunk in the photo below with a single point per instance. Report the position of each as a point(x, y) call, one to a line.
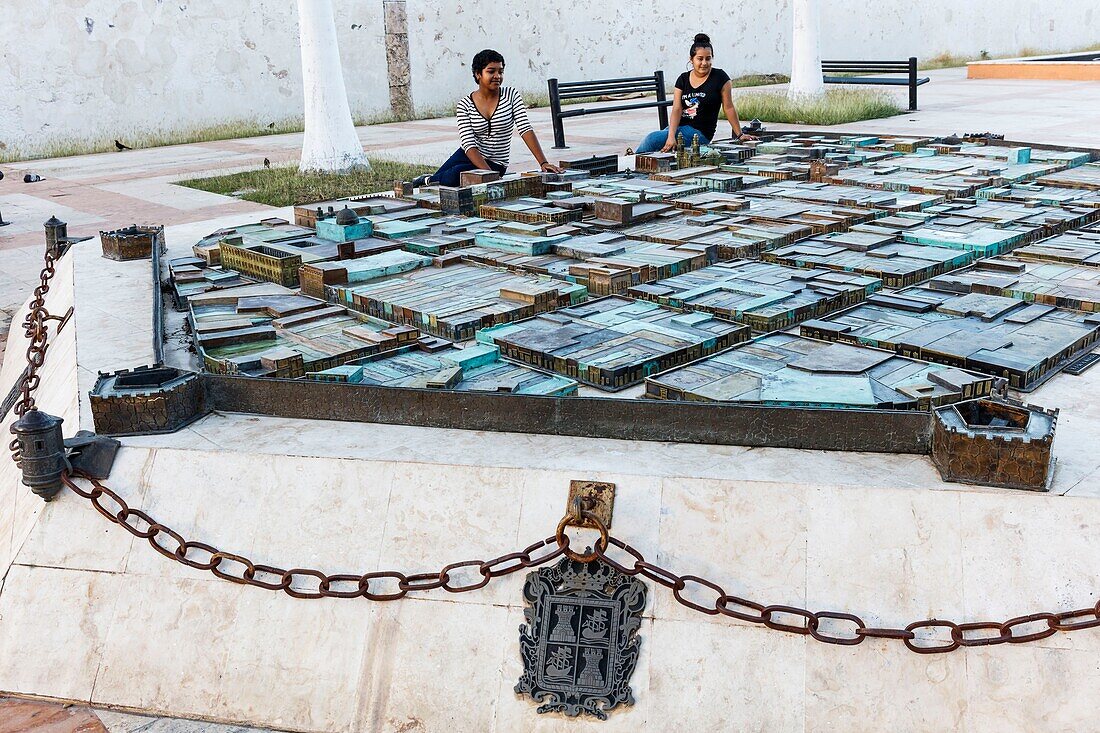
point(806, 51)
point(331, 144)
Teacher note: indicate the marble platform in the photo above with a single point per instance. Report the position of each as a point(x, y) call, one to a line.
point(89, 614)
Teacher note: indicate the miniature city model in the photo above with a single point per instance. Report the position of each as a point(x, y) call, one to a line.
point(1047, 283)
point(536, 283)
point(268, 330)
point(761, 295)
point(613, 342)
point(474, 368)
point(990, 334)
point(782, 369)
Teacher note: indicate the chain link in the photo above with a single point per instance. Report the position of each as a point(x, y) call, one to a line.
point(37, 333)
point(385, 585)
point(932, 636)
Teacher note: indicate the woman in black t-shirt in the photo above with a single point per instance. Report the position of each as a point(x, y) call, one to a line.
point(698, 96)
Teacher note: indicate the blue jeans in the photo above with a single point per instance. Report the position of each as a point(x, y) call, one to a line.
point(447, 175)
point(654, 141)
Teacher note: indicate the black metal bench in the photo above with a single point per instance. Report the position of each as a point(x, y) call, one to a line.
point(909, 68)
point(560, 90)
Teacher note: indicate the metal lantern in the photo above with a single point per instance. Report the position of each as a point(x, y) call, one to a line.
point(41, 452)
point(57, 232)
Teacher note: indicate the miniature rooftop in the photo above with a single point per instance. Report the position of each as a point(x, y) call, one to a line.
point(881, 255)
point(1046, 283)
point(612, 342)
point(788, 370)
point(764, 296)
point(473, 368)
point(1080, 247)
point(268, 330)
point(1005, 337)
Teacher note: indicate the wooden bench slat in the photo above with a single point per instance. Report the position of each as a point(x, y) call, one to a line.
point(861, 63)
point(616, 108)
point(894, 81)
point(867, 69)
point(570, 84)
point(597, 91)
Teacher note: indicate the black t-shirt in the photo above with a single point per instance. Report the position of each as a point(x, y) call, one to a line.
point(701, 104)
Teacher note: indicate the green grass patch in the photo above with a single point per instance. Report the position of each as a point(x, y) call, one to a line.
point(758, 80)
point(158, 138)
point(948, 60)
point(836, 107)
point(285, 186)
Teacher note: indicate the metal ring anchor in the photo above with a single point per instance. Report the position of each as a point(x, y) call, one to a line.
point(575, 515)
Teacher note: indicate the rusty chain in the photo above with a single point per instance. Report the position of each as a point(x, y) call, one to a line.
point(36, 330)
point(386, 585)
point(829, 627)
point(846, 629)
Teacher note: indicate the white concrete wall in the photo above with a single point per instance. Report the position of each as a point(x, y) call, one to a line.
point(590, 40)
point(100, 69)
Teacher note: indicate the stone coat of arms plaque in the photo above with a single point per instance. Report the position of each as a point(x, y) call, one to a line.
point(580, 642)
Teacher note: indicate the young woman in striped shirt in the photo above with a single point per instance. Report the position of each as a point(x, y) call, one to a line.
point(486, 118)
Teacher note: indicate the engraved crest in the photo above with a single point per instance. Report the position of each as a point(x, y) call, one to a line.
point(580, 642)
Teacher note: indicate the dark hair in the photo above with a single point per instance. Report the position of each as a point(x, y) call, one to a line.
point(483, 59)
point(702, 40)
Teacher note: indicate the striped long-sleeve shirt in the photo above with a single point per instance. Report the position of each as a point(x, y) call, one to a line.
point(492, 135)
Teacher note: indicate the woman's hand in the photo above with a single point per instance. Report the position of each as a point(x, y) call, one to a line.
point(549, 167)
point(670, 145)
point(744, 137)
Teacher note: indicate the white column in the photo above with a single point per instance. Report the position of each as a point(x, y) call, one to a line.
point(330, 144)
point(805, 51)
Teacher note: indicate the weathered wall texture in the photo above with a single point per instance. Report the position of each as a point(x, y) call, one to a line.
point(590, 40)
point(101, 69)
point(97, 69)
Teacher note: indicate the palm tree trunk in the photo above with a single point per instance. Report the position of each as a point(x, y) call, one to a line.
point(805, 51)
point(331, 144)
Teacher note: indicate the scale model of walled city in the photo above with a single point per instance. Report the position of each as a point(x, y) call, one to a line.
point(940, 275)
